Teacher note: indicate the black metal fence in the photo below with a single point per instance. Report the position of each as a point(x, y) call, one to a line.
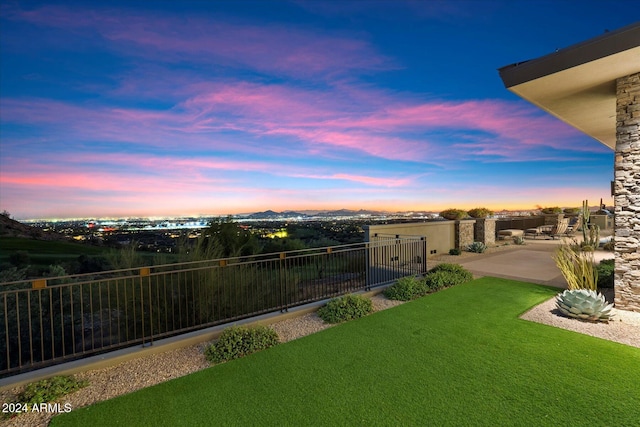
point(49, 321)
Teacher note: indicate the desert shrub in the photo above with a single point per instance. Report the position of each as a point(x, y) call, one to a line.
point(480, 213)
point(406, 289)
point(455, 251)
point(571, 211)
point(454, 214)
point(345, 308)
point(11, 274)
point(577, 267)
point(50, 389)
point(606, 269)
point(239, 341)
point(477, 247)
point(609, 246)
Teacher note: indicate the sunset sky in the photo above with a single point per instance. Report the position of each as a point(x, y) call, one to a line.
point(162, 108)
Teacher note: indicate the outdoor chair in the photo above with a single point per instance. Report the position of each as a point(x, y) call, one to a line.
point(553, 231)
point(559, 229)
point(575, 224)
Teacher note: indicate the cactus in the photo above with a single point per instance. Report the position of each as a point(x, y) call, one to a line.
point(584, 304)
point(590, 233)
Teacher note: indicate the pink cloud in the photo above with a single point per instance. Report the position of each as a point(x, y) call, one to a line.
point(314, 122)
point(279, 49)
point(369, 180)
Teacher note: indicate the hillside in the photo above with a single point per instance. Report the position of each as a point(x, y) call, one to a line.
point(13, 228)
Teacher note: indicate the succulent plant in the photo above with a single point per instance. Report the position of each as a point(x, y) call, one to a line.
point(584, 304)
point(477, 247)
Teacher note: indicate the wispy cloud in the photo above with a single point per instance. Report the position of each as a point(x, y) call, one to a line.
point(274, 49)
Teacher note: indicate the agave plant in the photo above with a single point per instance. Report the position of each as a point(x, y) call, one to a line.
point(477, 247)
point(584, 304)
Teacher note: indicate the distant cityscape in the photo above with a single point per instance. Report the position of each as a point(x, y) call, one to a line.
point(162, 234)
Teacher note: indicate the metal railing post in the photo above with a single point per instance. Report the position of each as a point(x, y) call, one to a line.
point(145, 272)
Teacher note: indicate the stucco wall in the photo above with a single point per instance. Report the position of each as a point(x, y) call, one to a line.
point(440, 234)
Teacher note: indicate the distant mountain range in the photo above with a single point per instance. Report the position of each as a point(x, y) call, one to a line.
point(269, 214)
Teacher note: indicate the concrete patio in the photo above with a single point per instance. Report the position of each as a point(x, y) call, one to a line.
point(532, 262)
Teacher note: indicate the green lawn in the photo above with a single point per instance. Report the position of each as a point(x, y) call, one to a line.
point(457, 357)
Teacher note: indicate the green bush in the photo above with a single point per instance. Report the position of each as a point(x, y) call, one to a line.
point(443, 279)
point(406, 289)
point(477, 247)
point(453, 268)
point(454, 214)
point(605, 273)
point(345, 308)
point(480, 213)
point(239, 341)
point(50, 389)
point(445, 275)
point(455, 251)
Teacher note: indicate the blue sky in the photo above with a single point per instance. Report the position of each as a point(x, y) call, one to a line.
point(197, 108)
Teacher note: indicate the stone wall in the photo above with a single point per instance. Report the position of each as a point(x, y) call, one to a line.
point(485, 231)
point(464, 233)
point(627, 194)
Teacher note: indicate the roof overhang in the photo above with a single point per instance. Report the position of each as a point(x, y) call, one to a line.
point(578, 84)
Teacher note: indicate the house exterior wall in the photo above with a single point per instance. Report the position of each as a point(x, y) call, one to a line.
point(440, 235)
point(627, 194)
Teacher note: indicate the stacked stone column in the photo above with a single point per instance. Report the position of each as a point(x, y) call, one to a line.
point(627, 194)
point(464, 233)
point(485, 231)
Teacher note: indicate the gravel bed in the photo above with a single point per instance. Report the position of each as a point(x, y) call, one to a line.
point(623, 328)
point(146, 371)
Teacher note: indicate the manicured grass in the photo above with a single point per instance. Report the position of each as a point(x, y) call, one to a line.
point(457, 357)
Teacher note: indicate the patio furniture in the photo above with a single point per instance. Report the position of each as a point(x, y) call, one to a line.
point(511, 232)
point(575, 224)
point(553, 231)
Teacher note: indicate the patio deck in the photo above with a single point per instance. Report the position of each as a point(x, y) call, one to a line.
point(532, 262)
